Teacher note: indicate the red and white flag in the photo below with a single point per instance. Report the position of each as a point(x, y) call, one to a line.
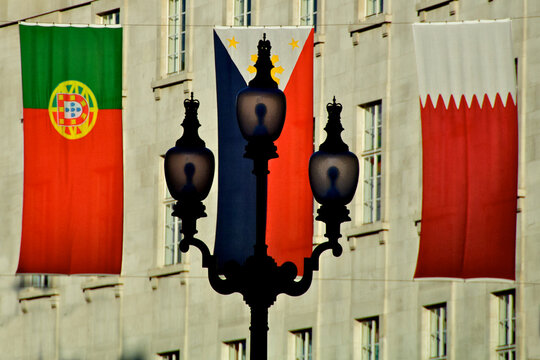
point(467, 84)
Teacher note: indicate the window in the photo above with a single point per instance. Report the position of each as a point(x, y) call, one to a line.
point(242, 12)
point(111, 17)
point(302, 344)
point(236, 349)
point(372, 160)
point(173, 225)
point(308, 12)
point(370, 338)
point(506, 349)
point(40, 281)
point(437, 332)
point(374, 7)
point(169, 355)
point(176, 38)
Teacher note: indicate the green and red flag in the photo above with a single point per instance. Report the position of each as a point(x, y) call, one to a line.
point(73, 169)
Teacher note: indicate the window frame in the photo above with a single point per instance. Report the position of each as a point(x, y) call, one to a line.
point(169, 355)
point(372, 160)
point(377, 7)
point(236, 349)
point(305, 338)
point(438, 334)
point(370, 344)
point(243, 18)
point(309, 16)
point(176, 57)
point(170, 223)
point(40, 281)
point(106, 16)
point(506, 349)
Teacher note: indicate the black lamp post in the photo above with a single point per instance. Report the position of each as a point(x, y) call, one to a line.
point(333, 175)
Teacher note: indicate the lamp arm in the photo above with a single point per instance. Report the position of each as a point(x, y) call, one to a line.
point(311, 264)
point(205, 252)
point(219, 284)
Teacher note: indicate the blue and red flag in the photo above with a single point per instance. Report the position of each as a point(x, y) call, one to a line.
point(289, 225)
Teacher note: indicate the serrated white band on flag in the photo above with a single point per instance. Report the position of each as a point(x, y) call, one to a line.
point(466, 77)
point(465, 58)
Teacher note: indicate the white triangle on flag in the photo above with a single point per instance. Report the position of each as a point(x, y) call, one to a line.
point(287, 44)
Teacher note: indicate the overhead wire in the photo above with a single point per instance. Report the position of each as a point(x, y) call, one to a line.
point(14, 22)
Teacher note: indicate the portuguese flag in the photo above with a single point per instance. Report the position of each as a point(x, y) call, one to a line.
point(73, 172)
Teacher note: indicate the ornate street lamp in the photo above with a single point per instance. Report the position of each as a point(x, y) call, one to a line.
point(333, 175)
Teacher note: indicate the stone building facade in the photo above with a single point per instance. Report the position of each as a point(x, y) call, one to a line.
point(363, 305)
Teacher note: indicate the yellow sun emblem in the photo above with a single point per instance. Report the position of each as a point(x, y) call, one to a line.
point(275, 70)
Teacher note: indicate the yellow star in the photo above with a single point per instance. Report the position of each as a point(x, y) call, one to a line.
point(233, 42)
point(294, 43)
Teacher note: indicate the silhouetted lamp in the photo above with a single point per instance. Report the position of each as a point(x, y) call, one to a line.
point(189, 167)
point(261, 106)
point(333, 172)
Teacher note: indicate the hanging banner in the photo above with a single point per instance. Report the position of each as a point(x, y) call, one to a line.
point(289, 233)
point(467, 83)
point(73, 169)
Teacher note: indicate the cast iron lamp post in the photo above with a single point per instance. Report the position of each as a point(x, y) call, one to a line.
point(333, 175)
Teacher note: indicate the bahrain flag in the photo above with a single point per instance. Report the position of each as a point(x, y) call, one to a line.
point(467, 84)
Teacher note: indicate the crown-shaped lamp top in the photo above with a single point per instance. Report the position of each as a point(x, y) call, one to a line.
point(263, 78)
point(333, 128)
point(190, 137)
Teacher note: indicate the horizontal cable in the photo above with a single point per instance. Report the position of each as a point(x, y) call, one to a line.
point(367, 23)
point(427, 280)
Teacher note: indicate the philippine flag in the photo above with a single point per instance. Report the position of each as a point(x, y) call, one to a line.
point(289, 225)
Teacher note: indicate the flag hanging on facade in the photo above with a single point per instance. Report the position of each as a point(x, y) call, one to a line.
point(73, 169)
point(290, 201)
point(467, 83)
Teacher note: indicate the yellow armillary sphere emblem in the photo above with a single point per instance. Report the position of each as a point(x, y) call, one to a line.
point(73, 109)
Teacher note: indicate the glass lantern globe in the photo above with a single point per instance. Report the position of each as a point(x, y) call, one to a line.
point(189, 173)
point(261, 107)
point(190, 165)
point(261, 112)
point(333, 170)
point(333, 177)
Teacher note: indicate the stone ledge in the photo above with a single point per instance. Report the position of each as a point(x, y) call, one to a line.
point(379, 228)
point(382, 20)
point(318, 44)
point(37, 293)
point(101, 282)
point(169, 270)
point(113, 282)
point(171, 80)
point(521, 199)
point(29, 294)
point(100, 7)
point(427, 5)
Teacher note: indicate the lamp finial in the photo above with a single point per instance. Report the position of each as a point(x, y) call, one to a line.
point(263, 78)
point(190, 137)
point(333, 128)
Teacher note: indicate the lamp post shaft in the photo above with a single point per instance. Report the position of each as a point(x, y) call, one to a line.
point(260, 169)
point(259, 332)
point(259, 307)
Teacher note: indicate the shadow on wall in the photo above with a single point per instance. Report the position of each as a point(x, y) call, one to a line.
point(133, 357)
